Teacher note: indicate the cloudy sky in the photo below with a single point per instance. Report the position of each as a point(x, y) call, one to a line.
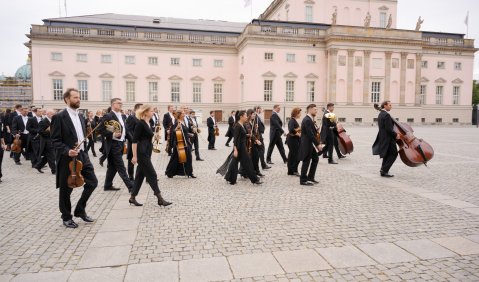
point(17, 16)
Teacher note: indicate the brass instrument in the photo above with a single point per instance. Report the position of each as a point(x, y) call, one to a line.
point(196, 129)
point(331, 116)
point(113, 126)
point(167, 148)
point(157, 139)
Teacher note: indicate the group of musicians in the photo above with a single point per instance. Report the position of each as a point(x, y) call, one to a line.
point(56, 139)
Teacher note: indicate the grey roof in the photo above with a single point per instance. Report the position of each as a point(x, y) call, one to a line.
point(147, 22)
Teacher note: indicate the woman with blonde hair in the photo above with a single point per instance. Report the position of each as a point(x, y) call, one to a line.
point(142, 148)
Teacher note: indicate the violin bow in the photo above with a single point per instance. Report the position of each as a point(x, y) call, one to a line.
point(88, 135)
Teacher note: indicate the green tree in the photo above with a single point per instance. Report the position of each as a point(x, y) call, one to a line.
point(475, 92)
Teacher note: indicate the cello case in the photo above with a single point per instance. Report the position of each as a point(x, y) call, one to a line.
point(344, 141)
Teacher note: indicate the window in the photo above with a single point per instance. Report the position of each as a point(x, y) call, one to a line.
point(311, 58)
point(153, 61)
point(458, 66)
point(82, 58)
point(439, 94)
point(196, 92)
point(175, 61)
point(439, 120)
point(130, 91)
point(375, 92)
point(341, 119)
point(358, 61)
point(310, 91)
point(268, 90)
point(456, 91)
point(395, 63)
point(218, 63)
point(175, 92)
point(289, 91)
point(106, 87)
point(410, 120)
point(153, 91)
point(423, 120)
point(268, 56)
point(424, 64)
point(130, 60)
point(342, 61)
point(197, 62)
point(106, 59)
point(455, 120)
point(382, 19)
point(309, 14)
point(410, 63)
point(359, 120)
point(83, 89)
point(218, 93)
point(290, 58)
point(441, 65)
point(57, 89)
point(57, 56)
point(422, 95)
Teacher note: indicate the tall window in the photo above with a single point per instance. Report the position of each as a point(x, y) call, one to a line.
point(439, 94)
point(424, 64)
point(382, 19)
point(106, 87)
point(130, 91)
point(82, 58)
point(441, 65)
point(310, 91)
point(289, 91)
point(290, 58)
point(57, 89)
point(456, 91)
point(196, 92)
point(218, 63)
point(153, 91)
point(410, 63)
point(197, 62)
point(153, 60)
point(55, 56)
point(175, 61)
point(309, 14)
point(375, 91)
point(311, 58)
point(175, 92)
point(458, 66)
point(268, 56)
point(218, 93)
point(106, 59)
point(422, 95)
point(83, 89)
point(130, 60)
point(268, 90)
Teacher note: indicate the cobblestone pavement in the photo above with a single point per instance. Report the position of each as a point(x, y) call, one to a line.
point(423, 224)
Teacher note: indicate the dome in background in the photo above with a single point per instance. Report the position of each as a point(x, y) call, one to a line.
point(24, 72)
point(3, 77)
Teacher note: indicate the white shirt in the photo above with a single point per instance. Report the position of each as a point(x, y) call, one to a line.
point(25, 120)
point(77, 124)
point(194, 121)
point(39, 118)
point(172, 118)
point(214, 121)
point(187, 121)
point(234, 119)
point(120, 119)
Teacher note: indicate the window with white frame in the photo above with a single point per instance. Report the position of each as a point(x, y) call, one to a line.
point(106, 89)
point(268, 56)
point(311, 58)
point(106, 59)
point(130, 91)
point(82, 58)
point(309, 14)
point(268, 90)
point(382, 19)
point(197, 62)
point(375, 91)
point(290, 57)
point(175, 61)
point(130, 60)
point(83, 89)
point(456, 91)
point(57, 89)
point(175, 92)
point(289, 90)
point(310, 91)
point(457, 66)
point(439, 94)
point(441, 65)
point(424, 64)
point(218, 63)
point(422, 95)
point(196, 92)
point(153, 91)
point(218, 93)
point(56, 56)
point(153, 61)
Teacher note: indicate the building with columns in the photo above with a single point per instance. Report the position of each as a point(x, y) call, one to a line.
point(297, 52)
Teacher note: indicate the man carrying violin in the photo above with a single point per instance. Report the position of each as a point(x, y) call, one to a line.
point(68, 130)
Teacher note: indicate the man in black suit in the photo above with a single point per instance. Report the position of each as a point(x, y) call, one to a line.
point(46, 153)
point(155, 119)
point(309, 148)
point(19, 129)
point(385, 143)
point(67, 130)
point(261, 129)
point(130, 129)
point(168, 121)
point(211, 124)
point(114, 144)
point(275, 132)
point(194, 139)
point(329, 133)
point(3, 146)
point(33, 137)
point(231, 123)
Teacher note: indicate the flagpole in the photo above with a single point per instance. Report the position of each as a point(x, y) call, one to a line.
point(251, 10)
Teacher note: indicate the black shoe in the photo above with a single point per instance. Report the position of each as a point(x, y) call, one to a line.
point(332, 162)
point(191, 176)
point(266, 167)
point(258, 183)
point(313, 181)
point(227, 145)
point(54, 172)
point(199, 159)
point(386, 175)
point(70, 223)
point(85, 218)
point(306, 183)
point(325, 156)
point(260, 174)
point(269, 162)
point(101, 163)
point(134, 202)
point(341, 157)
point(111, 189)
point(285, 160)
point(212, 149)
point(39, 170)
point(18, 163)
point(162, 202)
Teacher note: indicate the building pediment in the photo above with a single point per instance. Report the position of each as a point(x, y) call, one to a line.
point(457, 81)
point(269, 74)
point(106, 75)
point(81, 74)
point(197, 78)
point(424, 79)
point(218, 79)
point(130, 76)
point(175, 77)
point(311, 76)
point(290, 75)
point(383, 8)
point(440, 80)
point(309, 2)
point(153, 77)
point(56, 73)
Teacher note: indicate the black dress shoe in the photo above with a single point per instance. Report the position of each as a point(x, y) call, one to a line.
point(39, 170)
point(85, 218)
point(101, 163)
point(269, 162)
point(70, 223)
point(266, 167)
point(342, 157)
point(111, 189)
point(386, 175)
point(332, 162)
point(306, 183)
point(314, 181)
point(200, 159)
point(227, 145)
point(18, 163)
point(259, 174)
point(191, 176)
point(258, 183)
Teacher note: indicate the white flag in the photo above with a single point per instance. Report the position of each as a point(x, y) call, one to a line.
point(247, 3)
point(466, 21)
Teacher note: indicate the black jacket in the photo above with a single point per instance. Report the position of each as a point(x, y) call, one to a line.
point(308, 138)
point(17, 125)
point(107, 134)
point(326, 127)
point(386, 136)
point(276, 126)
point(45, 139)
point(32, 127)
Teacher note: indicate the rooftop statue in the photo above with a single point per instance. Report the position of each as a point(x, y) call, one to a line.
point(390, 22)
point(335, 17)
point(367, 20)
point(419, 23)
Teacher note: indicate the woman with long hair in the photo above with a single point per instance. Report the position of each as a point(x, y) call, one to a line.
point(174, 166)
point(293, 141)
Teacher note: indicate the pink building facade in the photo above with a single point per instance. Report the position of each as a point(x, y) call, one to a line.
point(298, 52)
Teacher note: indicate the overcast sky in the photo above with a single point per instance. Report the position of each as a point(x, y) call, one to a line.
point(17, 16)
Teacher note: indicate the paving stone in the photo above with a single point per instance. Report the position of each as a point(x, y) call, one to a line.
point(106, 256)
point(252, 265)
point(301, 261)
point(472, 210)
point(120, 224)
point(105, 274)
point(6, 278)
point(425, 249)
point(459, 245)
point(436, 196)
point(474, 238)
point(152, 272)
point(111, 239)
point(343, 257)
point(386, 253)
point(133, 212)
point(457, 204)
point(207, 269)
point(43, 276)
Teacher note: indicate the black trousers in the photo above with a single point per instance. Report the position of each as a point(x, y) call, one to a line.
point(246, 168)
point(293, 154)
point(229, 140)
point(48, 156)
point(1, 160)
point(261, 150)
point(278, 142)
point(116, 164)
point(196, 145)
point(211, 139)
point(390, 158)
point(91, 182)
point(35, 143)
point(330, 145)
point(91, 145)
point(130, 166)
point(24, 152)
point(145, 170)
point(313, 159)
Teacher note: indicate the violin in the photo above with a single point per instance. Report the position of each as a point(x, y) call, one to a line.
point(344, 141)
point(413, 151)
point(125, 148)
point(75, 179)
point(17, 144)
point(167, 147)
point(180, 144)
point(217, 131)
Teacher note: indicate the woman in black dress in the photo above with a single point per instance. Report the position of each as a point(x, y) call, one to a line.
point(293, 141)
point(174, 166)
point(142, 148)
